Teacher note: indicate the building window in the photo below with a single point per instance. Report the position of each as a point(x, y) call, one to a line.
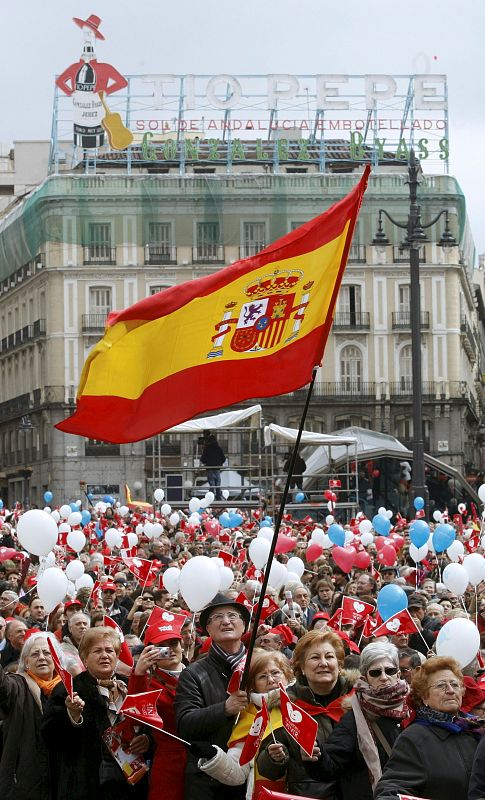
point(349, 305)
point(313, 424)
point(208, 247)
point(406, 368)
point(351, 368)
point(99, 250)
point(156, 289)
point(352, 421)
point(404, 291)
point(159, 249)
point(96, 447)
point(254, 238)
point(100, 300)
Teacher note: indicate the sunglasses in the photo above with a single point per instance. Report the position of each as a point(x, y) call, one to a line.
point(375, 673)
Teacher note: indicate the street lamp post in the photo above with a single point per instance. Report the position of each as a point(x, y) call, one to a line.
point(415, 237)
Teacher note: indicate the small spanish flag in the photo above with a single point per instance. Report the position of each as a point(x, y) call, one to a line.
point(254, 329)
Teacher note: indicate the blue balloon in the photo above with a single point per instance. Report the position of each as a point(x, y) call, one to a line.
point(391, 600)
point(48, 497)
point(99, 532)
point(85, 517)
point(265, 523)
point(419, 532)
point(225, 520)
point(299, 497)
point(443, 536)
point(336, 534)
point(381, 525)
point(1, 503)
point(418, 503)
point(234, 520)
point(73, 507)
point(90, 495)
point(110, 501)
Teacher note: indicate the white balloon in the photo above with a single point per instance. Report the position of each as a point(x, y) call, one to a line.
point(48, 510)
point(475, 567)
point(113, 538)
point(52, 587)
point(266, 533)
point(382, 511)
point(210, 497)
point(159, 494)
point(296, 565)
point(455, 550)
point(194, 518)
point(259, 551)
point(194, 504)
point(349, 537)
point(50, 559)
point(437, 515)
point(64, 527)
point(124, 510)
point(74, 518)
point(71, 589)
point(455, 578)
point(292, 577)
point(329, 519)
point(366, 538)
point(225, 493)
point(365, 526)
point(418, 553)
point(219, 562)
point(84, 582)
point(327, 542)
point(460, 639)
point(277, 575)
point(174, 519)
point(76, 540)
point(199, 582)
point(132, 539)
point(171, 578)
point(227, 578)
point(388, 514)
point(55, 516)
point(318, 536)
point(74, 570)
point(166, 509)
point(203, 503)
point(37, 532)
point(65, 510)
point(139, 529)
point(148, 530)
point(157, 530)
point(481, 492)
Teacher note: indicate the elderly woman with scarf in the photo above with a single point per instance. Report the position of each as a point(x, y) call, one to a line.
point(319, 689)
point(24, 772)
point(360, 745)
point(74, 728)
point(433, 757)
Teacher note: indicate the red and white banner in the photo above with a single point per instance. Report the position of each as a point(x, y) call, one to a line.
point(255, 735)
point(142, 569)
point(399, 623)
point(370, 625)
point(355, 610)
point(143, 708)
point(125, 655)
point(269, 606)
point(298, 724)
point(64, 675)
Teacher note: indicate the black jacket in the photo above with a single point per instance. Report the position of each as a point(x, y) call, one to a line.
point(24, 772)
point(341, 759)
point(200, 716)
point(428, 761)
point(476, 789)
point(76, 752)
point(298, 779)
point(212, 455)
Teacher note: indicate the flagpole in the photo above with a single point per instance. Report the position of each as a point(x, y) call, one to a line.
point(274, 541)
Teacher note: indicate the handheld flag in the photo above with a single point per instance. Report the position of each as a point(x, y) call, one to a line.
point(64, 675)
point(255, 735)
point(269, 314)
point(125, 655)
point(235, 680)
point(355, 610)
point(142, 569)
point(298, 724)
point(143, 708)
point(398, 623)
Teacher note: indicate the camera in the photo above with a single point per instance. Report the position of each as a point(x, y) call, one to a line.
point(164, 652)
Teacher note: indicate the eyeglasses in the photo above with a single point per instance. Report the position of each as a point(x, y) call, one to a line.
point(274, 675)
point(232, 617)
point(442, 686)
point(148, 600)
point(375, 673)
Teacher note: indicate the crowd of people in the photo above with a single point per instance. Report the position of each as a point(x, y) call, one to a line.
point(394, 717)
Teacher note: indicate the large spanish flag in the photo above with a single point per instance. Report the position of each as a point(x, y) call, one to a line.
point(254, 329)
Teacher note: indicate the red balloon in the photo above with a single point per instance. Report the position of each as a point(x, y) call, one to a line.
point(285, 544)
point(380, 542)
point(7, 552)
point(387, 555)
point(313, 552)
point(362, 560)
point(344, 557)
point(327, 494)
point(397, 540)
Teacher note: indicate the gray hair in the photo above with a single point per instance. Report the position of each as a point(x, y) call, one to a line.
point(29, 644)
point(375, 650)
point(79, 614)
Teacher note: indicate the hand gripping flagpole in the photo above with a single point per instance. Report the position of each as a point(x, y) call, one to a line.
point(279, 518)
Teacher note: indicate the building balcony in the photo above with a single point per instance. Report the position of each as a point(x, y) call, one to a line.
point(401, 320)
point(356, 320)
point(401, 256)
point(208, 254)
point(160, 254)
point(337, 390)
point(99, 254)
point(468, 339)
point(404, 389)
point(93, 323)
point(357, 254)
point(23, 336)
point(250, 249)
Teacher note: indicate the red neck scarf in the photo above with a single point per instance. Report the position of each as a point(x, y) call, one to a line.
point(333, 711)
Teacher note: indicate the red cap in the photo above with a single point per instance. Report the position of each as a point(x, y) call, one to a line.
point(284, 631)
point(28, 633)
point(319, 615)
point(109, 586)
point(155, 634)
point(71, 603)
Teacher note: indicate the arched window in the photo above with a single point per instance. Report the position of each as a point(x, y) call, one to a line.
point(351, 368)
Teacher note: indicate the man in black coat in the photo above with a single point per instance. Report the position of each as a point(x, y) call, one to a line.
point(213, 458)
point(205, 712)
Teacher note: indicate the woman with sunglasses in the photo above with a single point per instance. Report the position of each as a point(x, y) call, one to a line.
point(433, 757)
point(360, 745)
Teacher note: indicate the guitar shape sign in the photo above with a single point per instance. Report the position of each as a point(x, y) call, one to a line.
point(118, 135)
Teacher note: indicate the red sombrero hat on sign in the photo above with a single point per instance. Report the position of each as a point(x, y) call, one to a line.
point(92, 22)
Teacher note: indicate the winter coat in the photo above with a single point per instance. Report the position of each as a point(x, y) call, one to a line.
point(476, 789)
point(24, 772)
point(200, 716)
point(77, 751)
point(298, 780)
point(342, 761)
point(169, 759)
point(212, 455)
point(428, 761)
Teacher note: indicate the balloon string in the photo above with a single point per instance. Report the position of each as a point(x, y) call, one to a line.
point(476, 607)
